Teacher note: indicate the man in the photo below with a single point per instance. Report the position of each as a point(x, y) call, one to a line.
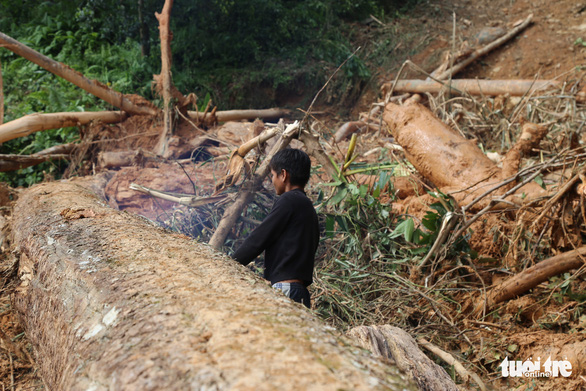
point(289, 235)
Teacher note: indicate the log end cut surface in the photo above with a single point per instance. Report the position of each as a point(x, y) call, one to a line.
point(111, 302)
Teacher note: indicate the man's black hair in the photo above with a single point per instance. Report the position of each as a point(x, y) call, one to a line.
point(295, 162)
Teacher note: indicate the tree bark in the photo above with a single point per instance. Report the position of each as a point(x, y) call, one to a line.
point(37, 122)
point(145, 46)
point(477, 87)
point(435, 149)
point(531, 277)
point(239, 115)
point(92, 86)
point(1, 96)
point(395, 344)
point(17, 162)
point(165, 77)
point(111, 302)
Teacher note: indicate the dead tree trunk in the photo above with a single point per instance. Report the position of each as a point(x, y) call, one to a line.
point(37, 122)
point(92, 86)
point(165, 80)
point(1, 96)
point(110, 302)
point(476, 87)
point(239, 115)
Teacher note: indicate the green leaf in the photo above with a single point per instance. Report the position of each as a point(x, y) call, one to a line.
point(338, 197)
point(539, 180)
point(404, 228)
point(330, 224)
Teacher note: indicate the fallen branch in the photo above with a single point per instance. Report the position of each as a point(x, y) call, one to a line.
point(531, 277)
point(450, 360)
point(476, 87)
point(315, 149)
point(233, 212)
point(183, 199)
point(239, 115)
point(449, 73)
point(38, 122)
point(92, 86)
point(17, 162)
point(237, 164)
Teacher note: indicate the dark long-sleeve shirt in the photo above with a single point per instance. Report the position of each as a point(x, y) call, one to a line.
point(289, 235)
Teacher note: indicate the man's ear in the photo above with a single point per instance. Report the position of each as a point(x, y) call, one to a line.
point(286, 175)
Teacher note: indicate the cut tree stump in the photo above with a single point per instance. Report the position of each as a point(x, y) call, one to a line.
point(111, 302)
point(395, 344)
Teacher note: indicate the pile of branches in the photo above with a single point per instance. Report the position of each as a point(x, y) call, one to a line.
point(436, 271)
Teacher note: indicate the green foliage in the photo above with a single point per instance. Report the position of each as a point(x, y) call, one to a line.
point(241, 54)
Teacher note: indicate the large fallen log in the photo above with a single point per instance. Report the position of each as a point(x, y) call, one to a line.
point(110, 302)
point(92, 86)
point(452, 162)
point(438, 153)
point(31, 123)
point(476, 87)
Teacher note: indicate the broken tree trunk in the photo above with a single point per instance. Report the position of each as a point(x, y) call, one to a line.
point(37, 122)
point(531, 277)
point(92, 86)
point(395, 344)
point(111, 302)
point(477, 87)
point(165, 76)
point(246, 194)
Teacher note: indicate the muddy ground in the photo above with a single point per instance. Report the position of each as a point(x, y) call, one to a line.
point(552, 47)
